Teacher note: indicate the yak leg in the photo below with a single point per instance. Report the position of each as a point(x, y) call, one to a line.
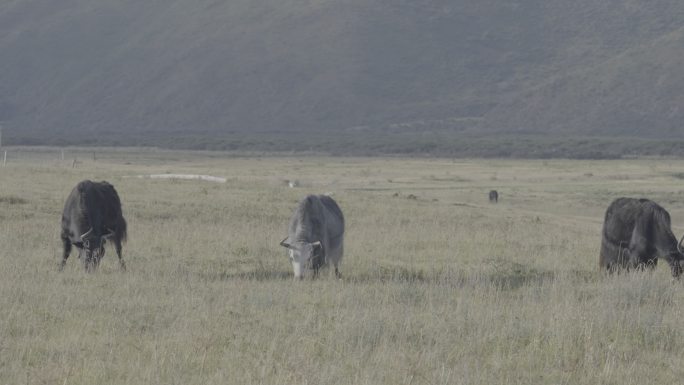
point(336, 261)
point(117, 246)
point(612, 256)
point(640, 251)
point(668, 251)
point(66, 242)
point(651, 263)
point(675, 264)
point(90, 264)
point(675, 267)
point(640, 256)
point(317, 264)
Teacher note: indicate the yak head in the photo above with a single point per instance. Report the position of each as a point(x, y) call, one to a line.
point(304, 256)
point(91, 248)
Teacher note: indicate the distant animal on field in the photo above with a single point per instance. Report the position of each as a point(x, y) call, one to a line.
point(636, 232)
point(92, 215)
point(315, 235)
point(493, 196)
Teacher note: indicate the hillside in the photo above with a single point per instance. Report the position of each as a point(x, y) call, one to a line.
point(638, 93)
point(114, 71)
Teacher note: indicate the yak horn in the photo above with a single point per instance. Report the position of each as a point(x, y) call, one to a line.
point(284, 244)
point(318, 244)
point(679, 245)
point(111, 233)
point(87, 233)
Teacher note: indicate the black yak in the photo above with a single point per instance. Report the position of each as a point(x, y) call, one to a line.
point(636, 232)
point(493, 196)
point(92, 215)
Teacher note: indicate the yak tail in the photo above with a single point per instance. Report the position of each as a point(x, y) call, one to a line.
point(122, 227)
point(122, 230)
point(662, 217)
point(665, 239)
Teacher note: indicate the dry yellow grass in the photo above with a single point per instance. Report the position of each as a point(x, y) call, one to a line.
point(442, 289)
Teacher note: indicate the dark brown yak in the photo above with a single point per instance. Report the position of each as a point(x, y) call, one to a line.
point(636, 232)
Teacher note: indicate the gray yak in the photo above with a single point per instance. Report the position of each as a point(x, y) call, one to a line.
point(91, 216)
point(315, 235)
point(636, 232)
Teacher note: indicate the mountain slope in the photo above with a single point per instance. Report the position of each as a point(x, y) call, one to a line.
point(636, 93)
point(76, 69)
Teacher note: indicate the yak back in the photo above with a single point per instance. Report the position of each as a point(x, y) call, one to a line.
point(316, 218)
point(651, 221)
point(94, 205)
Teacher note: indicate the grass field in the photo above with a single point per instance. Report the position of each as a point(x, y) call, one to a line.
point(441, 289)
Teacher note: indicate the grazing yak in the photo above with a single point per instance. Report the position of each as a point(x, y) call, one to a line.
point(493, 196)
point(636, 232)
point(315, 235)
point(92, 215)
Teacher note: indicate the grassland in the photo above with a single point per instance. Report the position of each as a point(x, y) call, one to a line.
point(442, 143)
point(442, 289)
